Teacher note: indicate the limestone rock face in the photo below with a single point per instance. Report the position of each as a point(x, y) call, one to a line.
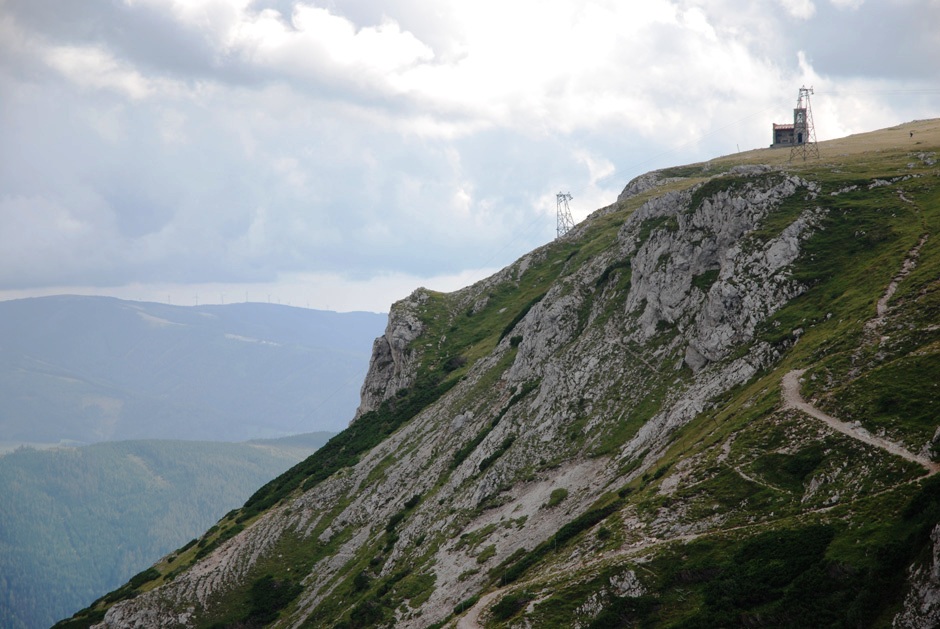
point(922, 605)
point(392, 366)
point(641, 184)
point(694, 271)
point(700, 272)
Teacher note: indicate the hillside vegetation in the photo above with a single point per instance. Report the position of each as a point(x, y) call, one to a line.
point(78, 522)
point(598, 436)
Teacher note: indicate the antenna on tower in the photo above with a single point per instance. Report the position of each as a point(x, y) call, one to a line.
point(804, 133)
point(565, 222)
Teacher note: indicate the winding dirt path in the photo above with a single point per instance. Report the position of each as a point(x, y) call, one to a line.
point(793, 399)
point(471, 620)
point(881, 308)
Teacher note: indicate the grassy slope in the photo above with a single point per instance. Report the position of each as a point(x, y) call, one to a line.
point(799, 511)
point(789, 556)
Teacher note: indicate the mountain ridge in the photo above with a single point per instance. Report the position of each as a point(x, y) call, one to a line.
point(595, 436)
point(91, 369)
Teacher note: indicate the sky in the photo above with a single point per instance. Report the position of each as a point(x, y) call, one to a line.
point(338, 154)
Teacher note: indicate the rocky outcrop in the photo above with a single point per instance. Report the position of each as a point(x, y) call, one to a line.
point(922, 605)
point(393, 362)
point(639, 185)
point(749, 277)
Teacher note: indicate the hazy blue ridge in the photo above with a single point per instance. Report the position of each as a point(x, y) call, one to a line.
point(91, 369)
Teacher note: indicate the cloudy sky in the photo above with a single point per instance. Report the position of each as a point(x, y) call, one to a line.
point(340, 153)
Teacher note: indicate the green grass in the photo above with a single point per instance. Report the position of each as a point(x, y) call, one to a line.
point(473, 539)
point(510, 605)
point(511, 570)
point(500, 451)
point(267, 597)
point(486, 554)
point(790, 471)
point(557, 497)
point(344, 449)
point(610, 270)
point(901, 398)
point(466, 604)
point(846, 574)
point(613, 435)
point(691, 170)
point(704, 281)
point(782, 216)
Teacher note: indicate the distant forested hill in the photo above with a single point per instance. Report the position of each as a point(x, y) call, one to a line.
point(77, 522)
point(91, 369)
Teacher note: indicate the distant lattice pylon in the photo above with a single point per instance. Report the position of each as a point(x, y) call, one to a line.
point(565, 222)
point(804, 133)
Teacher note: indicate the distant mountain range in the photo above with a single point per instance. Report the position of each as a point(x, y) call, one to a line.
point(77, 522)
point(89, 369)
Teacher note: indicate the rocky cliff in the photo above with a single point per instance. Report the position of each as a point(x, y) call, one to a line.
point(595, 436)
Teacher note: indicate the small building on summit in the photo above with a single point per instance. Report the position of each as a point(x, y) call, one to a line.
point(800, 136)
point(790, 134)
point(783, 135)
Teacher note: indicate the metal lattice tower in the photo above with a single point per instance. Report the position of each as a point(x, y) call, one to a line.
point(565, 222)
point(804, 133)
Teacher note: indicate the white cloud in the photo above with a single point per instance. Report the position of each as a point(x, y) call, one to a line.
point(172, 125)
point(213, 19)
point(801, 9)
point(292, 172)
point(599, 167)
point(564, 66)
point(216, 142)
point(383, 48)
point(43, 238)
point(319, 44)
point(96, 68)
point(539, 68)
point(808, 74)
